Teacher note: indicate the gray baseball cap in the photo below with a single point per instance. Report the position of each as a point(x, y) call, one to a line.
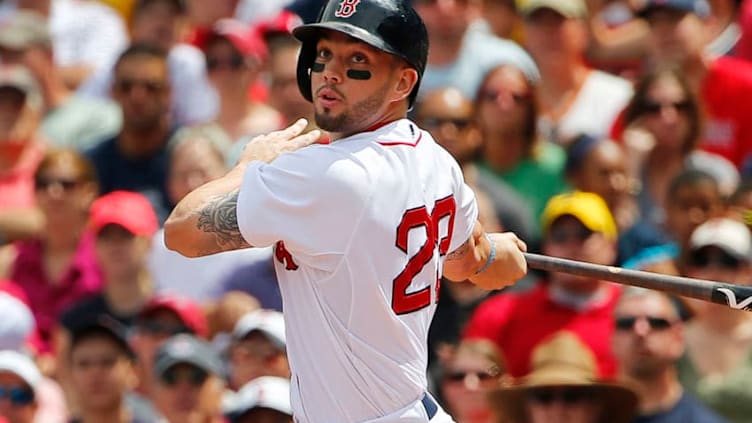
point(187, 349)
point(24, 29)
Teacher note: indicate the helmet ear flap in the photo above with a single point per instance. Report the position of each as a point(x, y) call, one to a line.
point(305, 61)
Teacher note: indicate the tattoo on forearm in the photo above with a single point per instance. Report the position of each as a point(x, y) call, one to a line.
point(220, 217)
point(459, 253)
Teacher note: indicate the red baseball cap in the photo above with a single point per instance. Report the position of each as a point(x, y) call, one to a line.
point(131, 210)
point(283, 23)
point(187, 310)
point(245, 38)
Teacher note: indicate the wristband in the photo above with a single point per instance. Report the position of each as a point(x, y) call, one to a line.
point(491, 256)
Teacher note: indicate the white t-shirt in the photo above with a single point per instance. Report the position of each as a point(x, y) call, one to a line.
point(359, 286)
point(598, 103)
point(86, 33)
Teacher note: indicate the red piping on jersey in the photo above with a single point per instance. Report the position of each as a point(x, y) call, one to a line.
point(393, 143)
point(379, 125)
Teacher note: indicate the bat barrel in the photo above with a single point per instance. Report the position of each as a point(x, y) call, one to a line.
point(734, 296)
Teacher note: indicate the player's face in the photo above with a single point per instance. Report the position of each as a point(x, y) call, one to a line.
point(352, 84)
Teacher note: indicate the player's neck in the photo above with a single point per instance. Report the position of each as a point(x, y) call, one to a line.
point(390, 116)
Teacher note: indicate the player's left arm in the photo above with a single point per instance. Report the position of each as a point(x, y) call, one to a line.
point(474, 260)
point(206, 221)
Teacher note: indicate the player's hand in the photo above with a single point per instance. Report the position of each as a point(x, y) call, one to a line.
point(268, 147)
point(509, 264)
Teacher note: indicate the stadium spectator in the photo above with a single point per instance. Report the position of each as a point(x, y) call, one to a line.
point(648, 340)
point(717, 363)
point(576, 226)
point(135, 159)
point(189, 381)
point(68, 119)
point(574, 98)
point(461, 51)
point(59, 267)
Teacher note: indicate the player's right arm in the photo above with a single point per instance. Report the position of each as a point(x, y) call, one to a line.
point(206, 221)
point(473, 260)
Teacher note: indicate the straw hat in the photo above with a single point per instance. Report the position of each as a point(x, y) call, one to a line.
point(564, 361)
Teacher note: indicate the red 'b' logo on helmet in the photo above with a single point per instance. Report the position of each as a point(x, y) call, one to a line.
point(346, 8)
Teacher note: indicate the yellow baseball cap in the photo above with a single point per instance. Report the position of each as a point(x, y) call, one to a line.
point(567, 8)
point(588, 208)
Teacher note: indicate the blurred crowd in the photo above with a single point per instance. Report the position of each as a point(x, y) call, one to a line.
point(616, 132)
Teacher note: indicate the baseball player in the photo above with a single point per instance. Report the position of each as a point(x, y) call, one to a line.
point(363, 227)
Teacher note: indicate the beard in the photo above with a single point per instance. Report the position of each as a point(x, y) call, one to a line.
point(352, 119)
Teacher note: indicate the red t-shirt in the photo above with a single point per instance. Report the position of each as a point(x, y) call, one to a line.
point(727, 96)
point(518, 321)
point(743, 49)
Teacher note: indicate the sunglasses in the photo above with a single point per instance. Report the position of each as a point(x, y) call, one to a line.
point(190, 374)
point(436, 122)
point(655, 323)
point(567, 396)
point(44, 183)
point(652, 107)
point(17, 395)
point(718, 259)
point(562, 235)
point(153, 327)
point(460, 376)
point(125, 86)
point(233, 62)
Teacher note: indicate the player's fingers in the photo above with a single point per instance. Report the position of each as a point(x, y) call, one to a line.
point(303, 140)
point(521, 245)
point(287, 133)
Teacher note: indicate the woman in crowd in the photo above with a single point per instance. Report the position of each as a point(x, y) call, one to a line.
point(468, 374)
point(513, 152)
point(663, 124)
point(59, 267)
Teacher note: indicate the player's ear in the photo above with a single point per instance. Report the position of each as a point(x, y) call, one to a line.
point(407, 77)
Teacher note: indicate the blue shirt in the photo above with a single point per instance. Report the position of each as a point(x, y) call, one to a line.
point(687, 410)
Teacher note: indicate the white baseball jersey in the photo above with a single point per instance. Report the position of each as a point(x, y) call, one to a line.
point(360, 228)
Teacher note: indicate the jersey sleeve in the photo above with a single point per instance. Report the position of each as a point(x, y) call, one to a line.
point(308, 200)
point(467, 209)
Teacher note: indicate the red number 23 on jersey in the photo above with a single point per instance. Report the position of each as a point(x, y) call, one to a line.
point(402, 301)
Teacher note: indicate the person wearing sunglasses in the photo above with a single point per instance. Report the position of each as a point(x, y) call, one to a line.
point(189, 381)
point(19, 380)
point(514, 153)
point(235, 55)
point(648, 341)
point(664, 122)
point(467, 374)
point(135, 159)
point(58, 268)
point(718, 362)
point(563, 387)
point(576, 226)
point(164, 316)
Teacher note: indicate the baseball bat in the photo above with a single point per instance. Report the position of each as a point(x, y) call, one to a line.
point(735, 296)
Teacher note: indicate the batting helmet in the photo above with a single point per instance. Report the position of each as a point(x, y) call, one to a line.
point(388, 25)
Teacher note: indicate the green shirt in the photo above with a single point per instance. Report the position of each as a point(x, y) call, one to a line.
point(536, 178)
